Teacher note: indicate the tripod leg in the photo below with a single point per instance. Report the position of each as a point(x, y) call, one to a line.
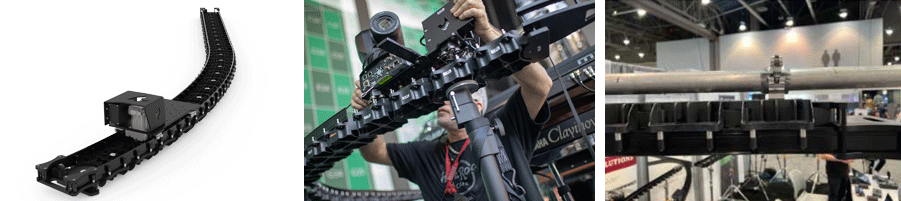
point(815, 181)
point(727, 193)
point(763, 188)
point(743, 195)
point(815, 176)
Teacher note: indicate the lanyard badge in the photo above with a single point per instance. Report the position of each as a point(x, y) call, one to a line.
point(451, 170)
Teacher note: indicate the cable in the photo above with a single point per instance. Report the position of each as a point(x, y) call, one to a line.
point(577, 77)
point(572, 108)
point(549, 177)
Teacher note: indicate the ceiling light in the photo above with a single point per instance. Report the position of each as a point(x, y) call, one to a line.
point(742, 27)
point(746, 41)
point(702, 25)
point(641, 12)
point(626, 41)
point(616, 57)
point(897, 58)
point(790, 22)
point(889, 31)
point(792, 36)
point(705, 2)
point(641, 54)
point(889, 63)
point(843, 13)
point(761, 9)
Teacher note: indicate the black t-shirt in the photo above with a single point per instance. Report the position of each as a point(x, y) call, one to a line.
point(838, 169)
point(423, 162)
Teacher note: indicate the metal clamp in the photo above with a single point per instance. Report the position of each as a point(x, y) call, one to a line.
point(618, 137)
point(775, 80)
point(803, 140)
point(660, 140)
point(709, 140)
point(753, 140)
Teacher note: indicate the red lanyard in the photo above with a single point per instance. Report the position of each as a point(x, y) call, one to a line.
point(451, 170)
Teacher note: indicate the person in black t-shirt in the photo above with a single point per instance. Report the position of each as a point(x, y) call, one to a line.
point(426, 162)
point(837, 172)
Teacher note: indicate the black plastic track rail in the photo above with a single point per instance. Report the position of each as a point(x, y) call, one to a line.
point(706, 162)
point(88, 169)
point(647, 187)
point(747, 127)
point(322, 192)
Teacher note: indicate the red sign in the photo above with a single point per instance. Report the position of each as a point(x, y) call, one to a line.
point(614, 163)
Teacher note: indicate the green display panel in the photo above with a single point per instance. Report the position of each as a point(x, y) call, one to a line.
point(308, 125)
point(307, 94)
point(338, 57)
point(322, 115)
point(357, 172)
point(318, 52)
point(421, 8)
point(411, 39)
point(313, 17)
point(333, 24)
point(344, 87)
point(337, 176)
point(328, 82)
point(323, 92)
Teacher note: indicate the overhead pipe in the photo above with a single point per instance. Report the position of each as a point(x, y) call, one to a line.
point(812, 13)
point(723, 81)
point(754, 13)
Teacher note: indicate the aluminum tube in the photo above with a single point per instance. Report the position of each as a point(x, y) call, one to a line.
point(681, 82)
point(721, 81)
point(845, 77)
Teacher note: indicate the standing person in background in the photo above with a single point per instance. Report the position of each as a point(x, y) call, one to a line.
point(879, 106)
point(837, 172)
point(892, 110)
point(871, 107)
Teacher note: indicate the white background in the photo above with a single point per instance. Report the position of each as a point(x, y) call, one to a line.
point(60, 60)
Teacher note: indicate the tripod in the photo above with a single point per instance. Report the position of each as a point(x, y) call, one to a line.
point(783, 168)
point(729, 191)
point(816, 177)
point(757, 179)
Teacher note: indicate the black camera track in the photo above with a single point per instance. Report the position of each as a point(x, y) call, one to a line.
point(206, 91)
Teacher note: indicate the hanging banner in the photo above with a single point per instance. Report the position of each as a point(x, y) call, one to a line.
point(619, 176)
point(617, 162)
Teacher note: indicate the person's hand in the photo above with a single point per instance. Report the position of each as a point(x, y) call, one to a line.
point(357, 101)
point(476, 9)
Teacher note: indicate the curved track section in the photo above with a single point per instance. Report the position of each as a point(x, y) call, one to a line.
point(322, 192)
point(218, 71)
point(647, 187)
point(88, 169)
